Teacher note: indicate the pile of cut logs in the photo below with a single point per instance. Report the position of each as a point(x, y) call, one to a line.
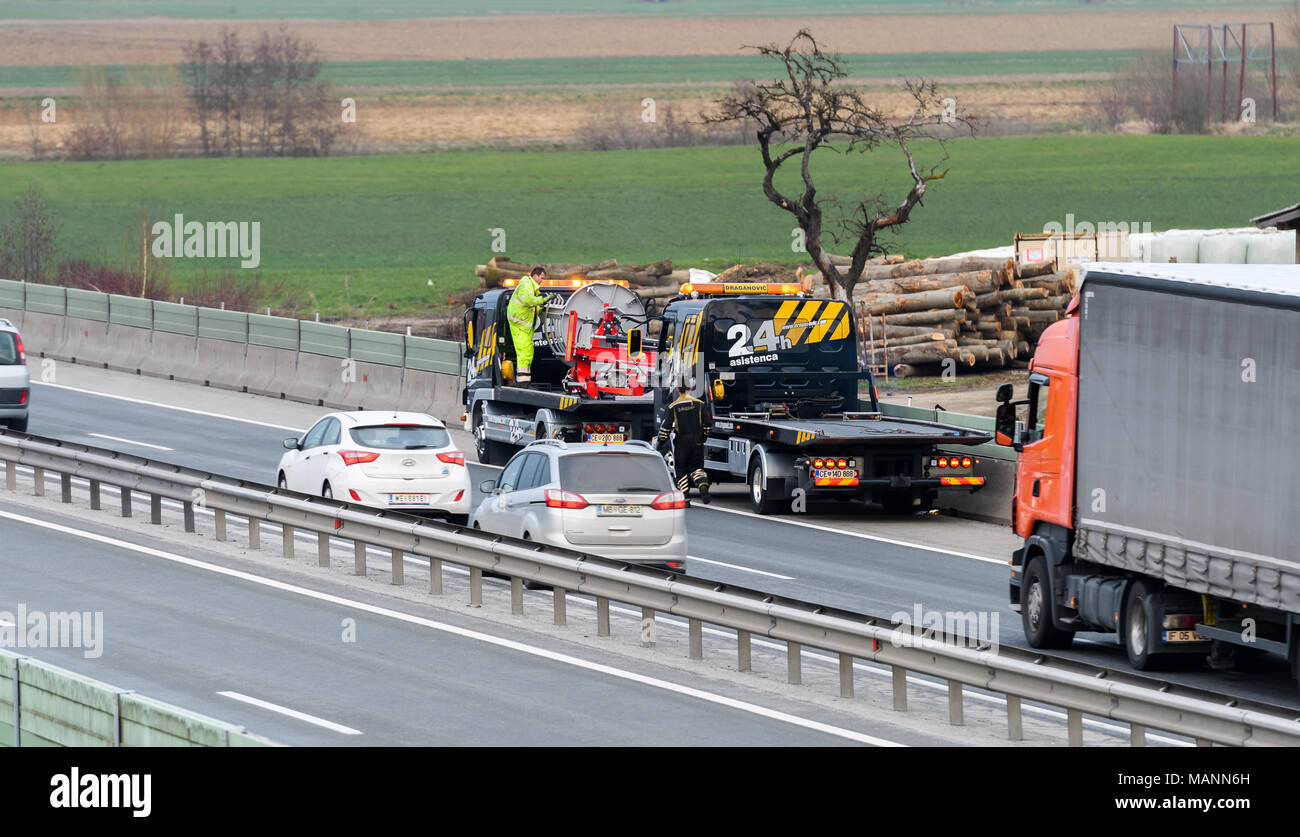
point(916, 317)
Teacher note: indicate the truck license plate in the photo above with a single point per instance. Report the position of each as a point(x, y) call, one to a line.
point(617, 510)
point(408, 499)
point(1181, 636)
point(834, 474)
point(615, 438)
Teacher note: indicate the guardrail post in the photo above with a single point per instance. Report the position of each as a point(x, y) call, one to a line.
point(155, 509)
point(124, 493)
point(1204, 742)
point(602, 616)
point(399, 564)
point(286, 540)
point(475, 587)
point(39, 475)
point(187, 512)
point(18, 712)
point(65, 487)
point(954, 704)
point(94, 495)
point(322, 549)
point(254, 533)
point(647, 627)
point(695, 628)
point(846, 676)
point(560, 595)
point(900, 689)
point(358, 557)
point(743, 662)
point(219, 523)
point(1137, 735)
point(1074, 722)
point(516, 596)
point(793, 663)
point(11, 475)
point(1015, 723)
point(435, 576)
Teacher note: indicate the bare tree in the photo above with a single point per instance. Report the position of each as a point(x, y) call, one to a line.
point(27, 238)
point(810, 110)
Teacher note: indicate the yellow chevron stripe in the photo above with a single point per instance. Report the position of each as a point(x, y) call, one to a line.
point(806, 312)
point(842, 330)
point(825, 321)
point(783, 315)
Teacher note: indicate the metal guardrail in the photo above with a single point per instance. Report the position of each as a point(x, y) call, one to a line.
point(1020, 675)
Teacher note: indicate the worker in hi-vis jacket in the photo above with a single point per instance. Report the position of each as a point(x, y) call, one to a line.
point(522, 313)
point(688, 419)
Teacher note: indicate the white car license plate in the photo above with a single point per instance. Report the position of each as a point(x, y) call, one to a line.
point(617, 510)
point(1181, 636)
point(616, 438)
point(408, 499)
point(834, 474)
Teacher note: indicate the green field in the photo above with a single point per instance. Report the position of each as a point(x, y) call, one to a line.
point(399, 9)
point(558, 72)
point(391, 224)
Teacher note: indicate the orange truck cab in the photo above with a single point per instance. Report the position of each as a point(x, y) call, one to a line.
point(1150, 494)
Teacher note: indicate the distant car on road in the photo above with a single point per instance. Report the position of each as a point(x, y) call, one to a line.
point(394, 460)
point(15, 380)
point(617, 501)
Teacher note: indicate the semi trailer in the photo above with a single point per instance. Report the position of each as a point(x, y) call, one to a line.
point(1155, 490)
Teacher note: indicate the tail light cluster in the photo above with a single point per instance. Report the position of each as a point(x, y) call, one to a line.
point(954, 462)
point(605, 428)
point(22, 355)
point(557, 499)
point(452, 457)
point(669, 500)
point(832, 462)
point(357, 457)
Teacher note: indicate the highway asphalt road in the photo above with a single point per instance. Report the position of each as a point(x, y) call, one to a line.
point(811, 557)
point(216, 644)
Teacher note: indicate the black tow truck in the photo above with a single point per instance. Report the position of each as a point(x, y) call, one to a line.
point(781, 373)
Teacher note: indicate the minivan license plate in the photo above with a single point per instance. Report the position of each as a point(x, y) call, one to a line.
point(617, 510)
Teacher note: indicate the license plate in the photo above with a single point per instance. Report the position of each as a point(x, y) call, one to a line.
point(1181, 636)
point(834, 474)
point(617, 510)
point(408, 499)
point(615, 438)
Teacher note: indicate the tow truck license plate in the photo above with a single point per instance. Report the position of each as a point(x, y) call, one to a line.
point(834, 474)
point(615, 438)
point(408, 499)
point(617, 510)
point(1181, 636)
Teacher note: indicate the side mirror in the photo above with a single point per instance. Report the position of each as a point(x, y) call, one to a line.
point(487, 486)
point(1004, 393)
point(291, 444)
point(635, 342)
point(1004, 426)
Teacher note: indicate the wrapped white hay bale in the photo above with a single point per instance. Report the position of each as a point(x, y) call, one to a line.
point(1271, 247)
point(1223, 248)
point(1181, 246)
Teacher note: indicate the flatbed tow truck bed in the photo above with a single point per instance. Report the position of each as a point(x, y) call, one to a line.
point(847, 428)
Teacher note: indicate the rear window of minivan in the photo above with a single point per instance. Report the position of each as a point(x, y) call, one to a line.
point(8, 349)
point(609, 473)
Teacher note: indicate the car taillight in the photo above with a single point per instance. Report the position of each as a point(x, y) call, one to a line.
point(843, 463)
point(965, 462)
point(557, 499)
point(22, 355)
point(669, 500)
point(819, 463)
point(591, 428)
point(22, 398)
point(943, 462)
point(452, 457)
point(356, 457)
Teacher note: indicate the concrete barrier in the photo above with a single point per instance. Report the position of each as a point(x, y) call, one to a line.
point(220, 363)
point(127, 346)
point(434, 393)
point(376, 387)
point(84, 341)
point(316, 377)
point(42, 333)
point(170, 356)
point(268, 370)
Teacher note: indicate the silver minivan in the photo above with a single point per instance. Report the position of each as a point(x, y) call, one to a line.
point(617, 501)
point(15, 382)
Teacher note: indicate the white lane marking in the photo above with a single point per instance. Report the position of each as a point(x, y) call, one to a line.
point(292, 713)
point(168, 406)
point(738, 567)
point(851, 534)
point(479, 636)
point(128, 441)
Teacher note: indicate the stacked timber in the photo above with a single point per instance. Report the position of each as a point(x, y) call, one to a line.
point(637, 276)
point(922, 316)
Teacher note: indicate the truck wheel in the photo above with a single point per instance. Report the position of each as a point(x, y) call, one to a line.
point(759, 497)
point(487, 451)
point(1141, 626)
point(1036, 610)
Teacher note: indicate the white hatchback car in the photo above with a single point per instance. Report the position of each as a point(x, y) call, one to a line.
point(617, 501)
point(15, 381)
point(400, 461)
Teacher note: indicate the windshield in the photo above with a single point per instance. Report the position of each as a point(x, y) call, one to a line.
point(400, 436)
point(796, 331)
point(8, 349)
point(612, 472)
